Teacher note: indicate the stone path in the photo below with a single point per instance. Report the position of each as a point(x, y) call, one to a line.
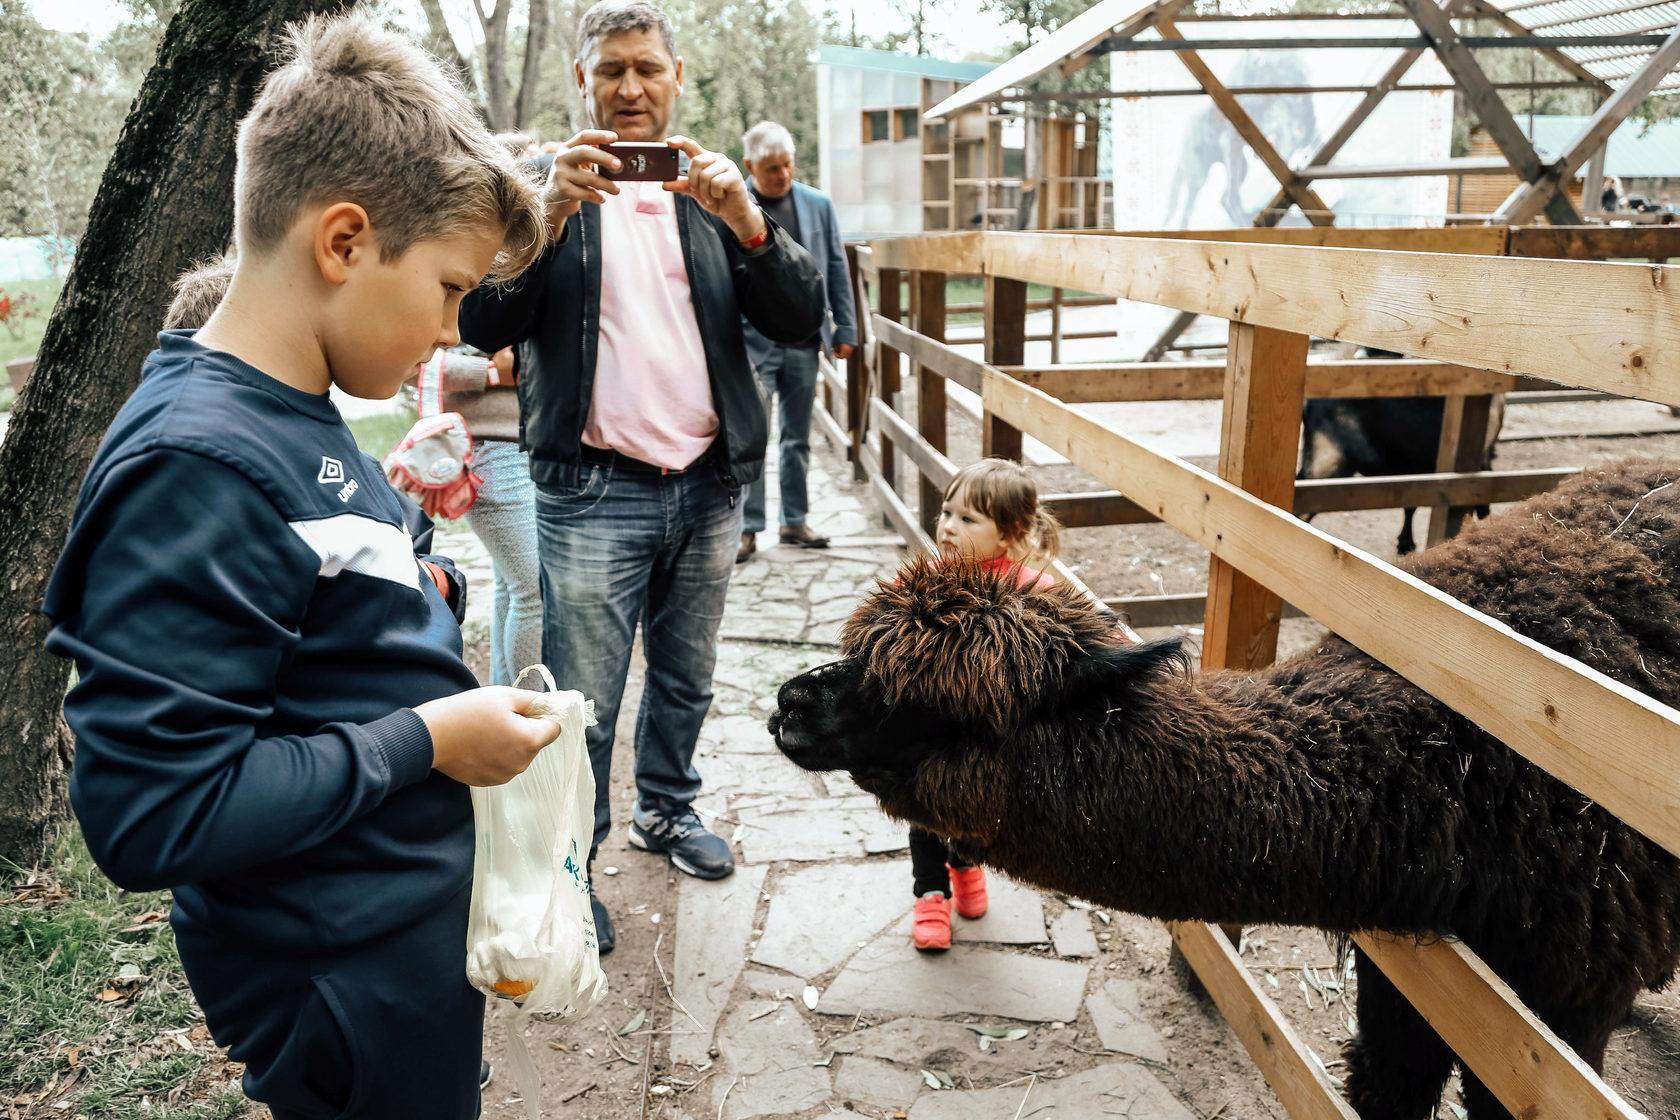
point(818, 912)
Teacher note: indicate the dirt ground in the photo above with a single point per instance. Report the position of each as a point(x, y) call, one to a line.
point(598, 1074)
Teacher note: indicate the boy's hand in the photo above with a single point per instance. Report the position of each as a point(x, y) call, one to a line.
point(482, 737)
point(572, 179)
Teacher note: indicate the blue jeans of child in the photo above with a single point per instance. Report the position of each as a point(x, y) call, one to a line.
point(790, 374)
point(504, 517)
point(623, 546)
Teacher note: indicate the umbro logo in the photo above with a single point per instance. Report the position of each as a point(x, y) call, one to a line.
point(332, 471)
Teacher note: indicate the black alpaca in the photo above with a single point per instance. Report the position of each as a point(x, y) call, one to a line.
point(1325, 791)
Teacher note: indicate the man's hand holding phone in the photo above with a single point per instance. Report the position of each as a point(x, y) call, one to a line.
point(718, 186)
point(576, 176)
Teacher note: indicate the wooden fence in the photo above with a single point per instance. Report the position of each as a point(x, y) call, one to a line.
point(1485, 310)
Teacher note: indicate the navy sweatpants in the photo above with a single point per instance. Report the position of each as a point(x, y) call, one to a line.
point(390, 1029)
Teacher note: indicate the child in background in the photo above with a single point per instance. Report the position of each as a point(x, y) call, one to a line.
point(272, 716)
point(990, 514)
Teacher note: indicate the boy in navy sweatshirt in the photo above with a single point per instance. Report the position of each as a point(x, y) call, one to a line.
point(272, 716)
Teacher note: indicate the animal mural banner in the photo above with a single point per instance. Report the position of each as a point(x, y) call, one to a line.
point(1178, 163)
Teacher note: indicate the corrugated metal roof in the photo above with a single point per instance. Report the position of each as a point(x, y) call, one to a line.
point(1614, 65)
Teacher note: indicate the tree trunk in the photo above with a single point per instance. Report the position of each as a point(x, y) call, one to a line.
point(166, 201)
point(496, 104)
point(536, 42)
point(441, 43)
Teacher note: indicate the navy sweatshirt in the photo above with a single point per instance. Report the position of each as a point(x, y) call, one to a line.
point(252, 627)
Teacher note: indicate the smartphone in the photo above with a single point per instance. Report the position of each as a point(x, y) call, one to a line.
point(644, 161)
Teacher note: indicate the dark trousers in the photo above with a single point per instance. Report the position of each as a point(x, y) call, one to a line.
point(385, 1030)
point(928, 856)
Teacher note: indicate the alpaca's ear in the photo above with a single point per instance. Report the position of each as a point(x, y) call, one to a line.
point(1106, 675)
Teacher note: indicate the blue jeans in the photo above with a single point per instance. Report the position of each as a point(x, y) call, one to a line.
point(504, 517)
point(622, 546)
point(791, 374)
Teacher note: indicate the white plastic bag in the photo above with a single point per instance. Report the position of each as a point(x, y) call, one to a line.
point(530, 933)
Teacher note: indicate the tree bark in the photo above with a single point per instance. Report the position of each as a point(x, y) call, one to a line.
point(496, 104)
point(536, 42)
point(441, 42)
point(166, 201)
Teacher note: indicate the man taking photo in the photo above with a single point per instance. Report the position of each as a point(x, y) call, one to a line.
point(641, 415)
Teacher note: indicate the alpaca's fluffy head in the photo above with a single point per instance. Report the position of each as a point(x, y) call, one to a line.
point(945, 670)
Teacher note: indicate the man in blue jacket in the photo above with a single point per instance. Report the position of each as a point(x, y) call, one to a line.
point(789, 370)
point(643, 421)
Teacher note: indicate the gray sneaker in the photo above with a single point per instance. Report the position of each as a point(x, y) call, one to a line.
point(676, 830)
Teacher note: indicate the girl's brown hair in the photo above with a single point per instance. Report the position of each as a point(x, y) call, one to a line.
point(1004, 491)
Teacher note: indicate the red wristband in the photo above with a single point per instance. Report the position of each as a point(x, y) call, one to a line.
point(439, 580)
point(758, 238)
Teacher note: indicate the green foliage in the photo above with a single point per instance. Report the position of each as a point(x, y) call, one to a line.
point(745, 61)
point(67, 934)
point(62, 102)
point(42, 294)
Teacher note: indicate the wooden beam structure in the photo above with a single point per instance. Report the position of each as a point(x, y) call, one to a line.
point(1641, 38)
point(1533, 196)
point(1454, 53)
point(1265, 375)
point(1318, 211)
point(1495, 313)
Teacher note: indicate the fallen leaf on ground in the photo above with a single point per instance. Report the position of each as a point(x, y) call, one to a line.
point(634, 1024)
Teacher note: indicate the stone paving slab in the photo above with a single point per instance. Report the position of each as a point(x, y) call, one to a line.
point(909, 1042)
point(1071, 934)
point(869, 1081)
point(889, 975)
point(714, 921)
point(820, 832)
point(822, 915)
point(1121, 1023)
point(1122, 1089)
point(770, 1056)
point(754, 773)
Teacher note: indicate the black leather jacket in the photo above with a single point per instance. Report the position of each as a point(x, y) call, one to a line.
point(553, 313)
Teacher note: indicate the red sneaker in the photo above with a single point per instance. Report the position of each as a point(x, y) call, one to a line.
point(931, 930)
point(968, 889)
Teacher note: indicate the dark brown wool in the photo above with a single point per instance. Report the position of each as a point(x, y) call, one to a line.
point(1324, 791)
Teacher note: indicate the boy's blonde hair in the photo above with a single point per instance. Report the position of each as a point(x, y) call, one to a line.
point(1004, 491)
point(198, 292)
point(356, 113)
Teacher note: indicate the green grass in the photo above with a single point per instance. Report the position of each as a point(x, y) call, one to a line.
point(58, 952)
point(377, 435)
point(45, 293)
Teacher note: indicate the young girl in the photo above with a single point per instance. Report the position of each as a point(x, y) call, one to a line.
point(990, 514)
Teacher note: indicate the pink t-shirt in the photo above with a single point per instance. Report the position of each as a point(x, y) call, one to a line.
point(652, 400)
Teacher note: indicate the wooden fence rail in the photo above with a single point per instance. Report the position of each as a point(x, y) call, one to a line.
point(1485, 313)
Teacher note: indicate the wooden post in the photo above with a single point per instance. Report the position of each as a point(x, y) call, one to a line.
point(1464, 425)
point(1265, 383)
point(1055, 325)
point(1006, 345)
point(889, 377)
point(857, 381)
point(930, 386)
